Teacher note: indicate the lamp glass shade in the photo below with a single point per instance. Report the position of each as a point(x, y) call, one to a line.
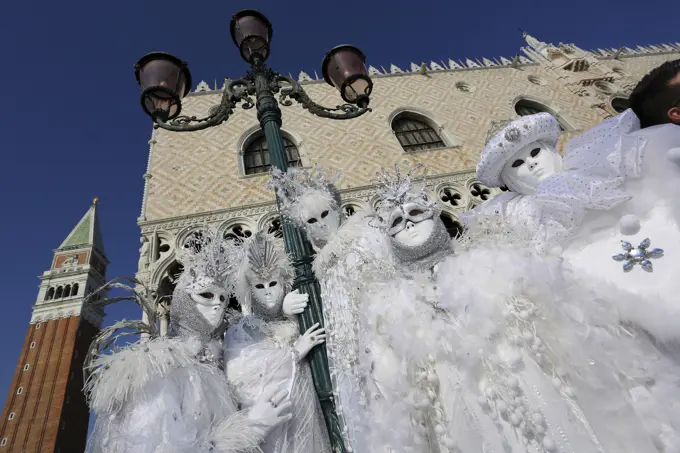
point(344, 68)
point(164, 80)
point(252, 33)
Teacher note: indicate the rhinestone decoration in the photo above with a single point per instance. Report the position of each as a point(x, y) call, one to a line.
point(638, 255)
point(512, 134)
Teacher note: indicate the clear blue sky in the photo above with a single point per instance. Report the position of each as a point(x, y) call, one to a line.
point(71, 127)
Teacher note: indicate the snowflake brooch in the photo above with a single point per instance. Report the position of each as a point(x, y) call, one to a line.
point(638, 255)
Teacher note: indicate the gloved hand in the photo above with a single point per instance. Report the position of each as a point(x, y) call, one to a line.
point(270, 410)
point(294, 303)
point(313, 337)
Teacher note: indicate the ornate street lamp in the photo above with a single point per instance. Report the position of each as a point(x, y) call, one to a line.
point(165, 80)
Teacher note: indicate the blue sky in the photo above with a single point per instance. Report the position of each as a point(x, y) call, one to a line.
point(71, 127)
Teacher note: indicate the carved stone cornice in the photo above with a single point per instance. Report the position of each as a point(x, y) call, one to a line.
point(364, 193)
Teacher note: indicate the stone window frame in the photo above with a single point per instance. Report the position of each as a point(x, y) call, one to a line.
point(256, 132)
point(542, 106)
point(431, 120)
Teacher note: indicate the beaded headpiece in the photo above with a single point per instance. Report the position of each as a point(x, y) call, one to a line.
point(399, 189)
point(208, 257)
point(297, 182)
point(263, 257)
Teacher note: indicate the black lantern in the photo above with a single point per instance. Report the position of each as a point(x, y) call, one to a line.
point(251, 32)
point(165, 80)
point(344, 68)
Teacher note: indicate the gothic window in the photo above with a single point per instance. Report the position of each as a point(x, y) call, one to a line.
point(274, 227)
point(349, 210)
point(67, 291)
point(526, 108)
point(415, 133)
point(577, 66)
point(238, 233)
point(74, 290)
point(256, 155)
point(480, 192)
point(50, 294)
point(195, 240)
point(620, 104)
point(60, 293)
point(450, 196)
point(453, 227)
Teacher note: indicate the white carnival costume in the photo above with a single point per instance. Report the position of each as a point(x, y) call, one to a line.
point(561, 208)
point(264, 350)
point(169, 394)
point(478, 351)
point(310, 199)
point(548, 195)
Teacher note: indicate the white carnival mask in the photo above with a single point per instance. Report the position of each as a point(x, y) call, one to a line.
point(411, 224)
point(529, 166)
point(268, 294)
point(211, 301)
point(321, 219)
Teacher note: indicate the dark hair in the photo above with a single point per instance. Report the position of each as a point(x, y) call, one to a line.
point(652, 97)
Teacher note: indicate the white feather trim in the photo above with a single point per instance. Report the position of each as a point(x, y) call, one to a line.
point(236, 434)
point(121, 375)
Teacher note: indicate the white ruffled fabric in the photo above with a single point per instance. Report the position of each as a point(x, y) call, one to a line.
point(502, 350)
point(258, 357)
point(156, 397)
point(343, 262)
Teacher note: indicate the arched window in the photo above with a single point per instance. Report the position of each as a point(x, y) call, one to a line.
point(238, 233)
point(60, 292)
point(50, 294)
point(525, 108)
point(415, 133)
point(67, 291)
point(453, 227)
point(74, 291)
point(620, 105)
point(256, 155)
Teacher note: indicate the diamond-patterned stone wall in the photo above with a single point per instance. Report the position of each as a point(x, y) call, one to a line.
point(201, 172)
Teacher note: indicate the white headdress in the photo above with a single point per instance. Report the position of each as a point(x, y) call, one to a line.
point(514, 136)
point(398, 189)
point(207, 256)
point(263, 257)
point(296, 182)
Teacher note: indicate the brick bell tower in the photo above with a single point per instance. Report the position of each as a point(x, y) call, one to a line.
point(46, 411)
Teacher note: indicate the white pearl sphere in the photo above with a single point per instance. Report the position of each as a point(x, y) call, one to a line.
point(629, 225)
point(674, 155)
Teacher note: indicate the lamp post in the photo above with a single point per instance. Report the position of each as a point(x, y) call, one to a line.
point(165, 80)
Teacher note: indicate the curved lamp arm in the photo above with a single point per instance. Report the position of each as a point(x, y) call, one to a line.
point(234, 92)
point(293, 90)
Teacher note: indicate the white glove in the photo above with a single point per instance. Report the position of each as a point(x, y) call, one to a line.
point(674, 155)
point(313, 337)
point(294, 303)
point(270, 410)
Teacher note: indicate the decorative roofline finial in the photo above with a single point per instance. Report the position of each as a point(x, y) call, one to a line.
point(95, 201)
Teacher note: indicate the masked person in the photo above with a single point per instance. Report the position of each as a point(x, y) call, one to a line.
point(169, 394)
point(346, 247)
point(264, 350)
